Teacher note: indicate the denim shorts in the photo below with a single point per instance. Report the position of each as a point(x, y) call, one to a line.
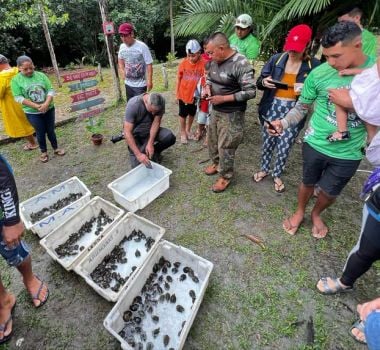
point(16, 255)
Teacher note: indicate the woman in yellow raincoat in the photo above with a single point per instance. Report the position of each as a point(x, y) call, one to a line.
point(14, 119)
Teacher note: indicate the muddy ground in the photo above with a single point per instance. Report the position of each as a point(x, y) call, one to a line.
point(256, 299)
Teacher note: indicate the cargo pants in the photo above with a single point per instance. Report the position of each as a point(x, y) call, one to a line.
point(224, 137)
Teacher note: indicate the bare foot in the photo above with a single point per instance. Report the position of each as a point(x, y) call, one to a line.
point(291, 224)
point(319, 229)
point(5, 315)
point(38, 290)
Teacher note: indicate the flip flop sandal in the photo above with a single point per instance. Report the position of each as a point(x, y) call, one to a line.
point(44, 157)
point(327, 290)
point(37, 295)
point(293, 228)
point(4, 326)
point(359, 324)
point(343, 136)
point(259, 176)
point(59, 152)
point(279, 186)
point(29, 147)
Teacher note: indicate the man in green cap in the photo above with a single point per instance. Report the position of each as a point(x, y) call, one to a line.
point(243, 41)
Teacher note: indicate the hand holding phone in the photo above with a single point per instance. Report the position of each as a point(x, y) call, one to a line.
point(278, 84)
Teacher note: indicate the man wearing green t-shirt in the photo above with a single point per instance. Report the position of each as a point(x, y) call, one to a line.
point(331, 165)
point(243, 41)
point(355, 14)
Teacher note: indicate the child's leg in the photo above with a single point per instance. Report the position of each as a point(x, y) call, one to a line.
point(371, 131)
point(190, 119)
point(182, 125)
point(341, 119)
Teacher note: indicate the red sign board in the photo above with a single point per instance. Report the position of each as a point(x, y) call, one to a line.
point(79, 75)
point(108, 28)
point(90, 113)
point(84, 95)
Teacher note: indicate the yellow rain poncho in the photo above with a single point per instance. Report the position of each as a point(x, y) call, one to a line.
point(14, 119)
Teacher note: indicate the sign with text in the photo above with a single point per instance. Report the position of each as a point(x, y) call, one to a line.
point(83, 85)
point(79, 75)
point(84, 95)
point(87, 104)
point(90, 113)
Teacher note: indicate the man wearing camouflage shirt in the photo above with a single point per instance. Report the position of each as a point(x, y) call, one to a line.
point(229, 85)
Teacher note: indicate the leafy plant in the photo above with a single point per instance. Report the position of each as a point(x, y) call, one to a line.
point(171, 57)
point(95, 127)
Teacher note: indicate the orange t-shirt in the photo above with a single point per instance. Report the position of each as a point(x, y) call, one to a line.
point(188, 77)
point(289, 79)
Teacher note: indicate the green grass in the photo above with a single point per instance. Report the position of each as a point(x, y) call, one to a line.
point(255, 298)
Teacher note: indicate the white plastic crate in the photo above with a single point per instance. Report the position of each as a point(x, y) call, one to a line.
point(169, 320)
point(49, 197)
point(61, 234)
point(110, 240)
point(140, 186)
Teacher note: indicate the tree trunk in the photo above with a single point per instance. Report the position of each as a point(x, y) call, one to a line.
point(111, 54)
point(172, 48)
point(49, 43)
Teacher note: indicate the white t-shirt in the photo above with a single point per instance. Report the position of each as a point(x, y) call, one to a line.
point(136, 58)
point(365, 95)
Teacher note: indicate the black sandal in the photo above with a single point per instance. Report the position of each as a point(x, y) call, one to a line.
point(339, 136)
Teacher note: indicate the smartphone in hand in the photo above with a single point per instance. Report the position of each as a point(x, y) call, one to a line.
point(270, 125)
point(278, 84)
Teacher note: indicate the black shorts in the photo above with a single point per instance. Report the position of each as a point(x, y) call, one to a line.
point(186, 109)
point(331, 174)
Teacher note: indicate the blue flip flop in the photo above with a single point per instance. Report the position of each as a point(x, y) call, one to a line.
point(4, 326)
point(359, 324)
point(37, 295)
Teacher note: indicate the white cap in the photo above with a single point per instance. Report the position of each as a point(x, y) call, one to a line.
point(193, 46)
point(243, 21)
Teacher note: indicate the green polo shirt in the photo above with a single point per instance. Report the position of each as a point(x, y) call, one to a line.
point(369, 42)
point(248, 47)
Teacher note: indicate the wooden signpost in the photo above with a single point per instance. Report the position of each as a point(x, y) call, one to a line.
point(84, 99)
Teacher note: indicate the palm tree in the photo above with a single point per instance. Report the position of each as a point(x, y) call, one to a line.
point(272, 17)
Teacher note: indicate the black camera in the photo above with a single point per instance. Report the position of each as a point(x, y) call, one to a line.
point(117, 138)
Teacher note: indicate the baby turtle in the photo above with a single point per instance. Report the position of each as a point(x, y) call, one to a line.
point(173, 298)
point(137, 253)
point(127, 315)
point(156, 332)
point(166, 340)
point(192, 295)
point(134, 307)
point(149, 346)
point(141, 313)
point(180, 308)
point(174, 270)
point(137, 320)
point(195, 279)
point(177, 264)
point(165, 270)
point(167, 296)
point(169, 279)
point(155, 318)
point(186, 269)
point(134, 268)
point(161, 278)
point(143, 337)
point(167, 286)
point(139, 346)
point(137, 300)
point(156, 268)
point(162, 298)
point(182, 277)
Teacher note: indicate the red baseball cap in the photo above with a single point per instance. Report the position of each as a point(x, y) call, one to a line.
point(298, 38)
point(126, 28)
